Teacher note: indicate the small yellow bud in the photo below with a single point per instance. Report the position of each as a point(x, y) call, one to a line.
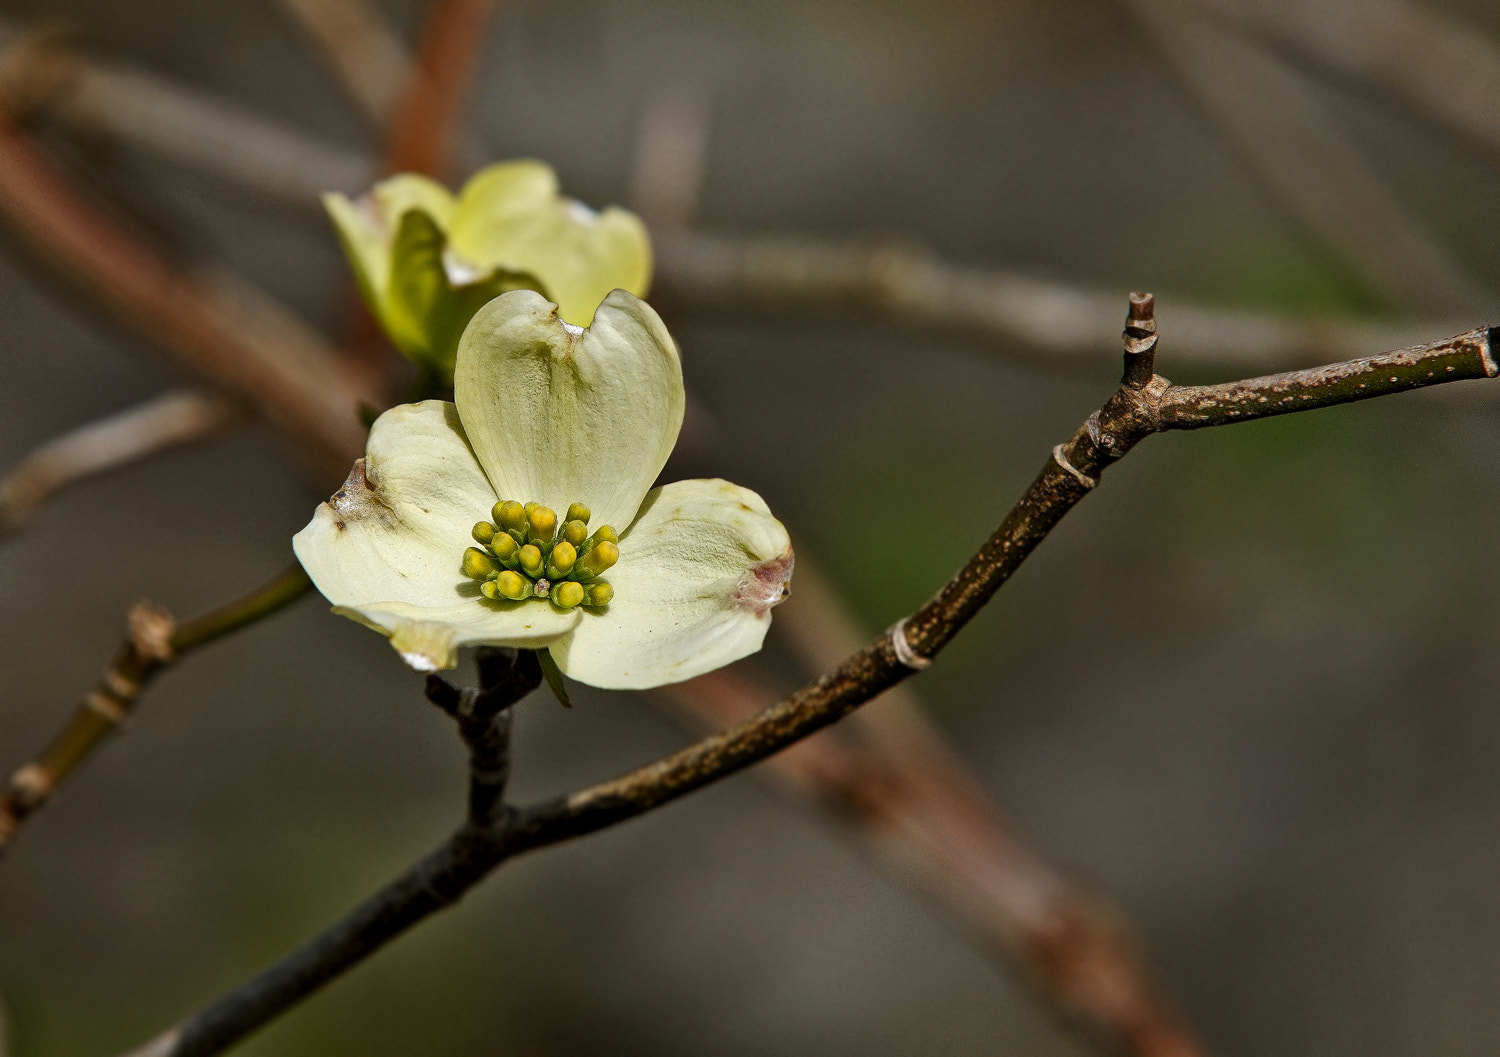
point(542, 526)
point(567, 594)
point(579, 512)
point(604, 532)
point(510, 516)
point(599, 594)
point(603, 555)
point(512, 585)
point(490, 591)
point(560, 563)
point(478, 565)
point(575, 532)
point(504, 547)
point(530, 558)
point(529, 507)
point(483, 532)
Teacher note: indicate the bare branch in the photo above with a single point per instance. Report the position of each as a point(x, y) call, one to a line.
point(889, 775)
point(671, 149)
point(484, 720)
point(913, 287)
point(41, 72)
point(897, 281)
point(153, 640)
point(1266, 111)
point(167, 421)
point(216, 328)
point(1440, 62)
point(425, 125)
point(1072, 471)
point(365, 53)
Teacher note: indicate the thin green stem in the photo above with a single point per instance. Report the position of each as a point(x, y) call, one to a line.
point(152, 641)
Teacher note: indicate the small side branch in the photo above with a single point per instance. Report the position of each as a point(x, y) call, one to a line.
point(153, 640)
point(167, 421)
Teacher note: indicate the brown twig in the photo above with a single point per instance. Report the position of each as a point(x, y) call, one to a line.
point(912, 286)
point(484, 723)
point(424, 126)
point(171, 420)
point(1072, 471)
point(888, 775)
point(215, 328)
point(153, 640)
point(1437, 60)
point(1266, 111)
point(896, 281)
point(43, 73)
point(366, 54)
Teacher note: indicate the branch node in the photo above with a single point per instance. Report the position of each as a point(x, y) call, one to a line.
point(151, 629)
point(107, 706)
point(1487, 351)
point(1062, 460)
point(1139, 340)
point(903, 649)
point(31, 785)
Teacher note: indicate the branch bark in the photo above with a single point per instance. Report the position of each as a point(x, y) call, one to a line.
point(897, 281)
point(167, 421)
point(215, 328)
point(153, 641)
point(1145, 403)
point(1267, 112)
point(367, 56)
point(425, 125)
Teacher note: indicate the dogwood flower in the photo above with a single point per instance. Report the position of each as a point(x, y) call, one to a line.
point(523, 515)
point(426, 261)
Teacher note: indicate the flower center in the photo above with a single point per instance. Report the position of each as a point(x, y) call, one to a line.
point(524, 553)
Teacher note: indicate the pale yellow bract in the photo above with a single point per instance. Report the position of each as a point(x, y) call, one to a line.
point(552, 413)
point(427, 260)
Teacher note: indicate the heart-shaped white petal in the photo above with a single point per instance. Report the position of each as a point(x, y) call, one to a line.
point(558, 414)
point(387, 547)
point(699, 573)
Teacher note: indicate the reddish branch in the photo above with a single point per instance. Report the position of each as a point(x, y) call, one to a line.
point(218, 331)
point(426, 122)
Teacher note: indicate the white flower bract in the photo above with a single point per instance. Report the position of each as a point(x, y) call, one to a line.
point(555, 414)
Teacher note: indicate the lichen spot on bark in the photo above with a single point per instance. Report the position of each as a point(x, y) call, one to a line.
point(766, 584)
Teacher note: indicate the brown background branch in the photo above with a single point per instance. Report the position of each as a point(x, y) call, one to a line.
point(153, 640)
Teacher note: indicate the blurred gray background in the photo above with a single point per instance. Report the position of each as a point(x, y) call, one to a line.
point(1248, 688)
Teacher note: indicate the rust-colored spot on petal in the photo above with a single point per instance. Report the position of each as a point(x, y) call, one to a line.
point(359, 498)
point(765, 585)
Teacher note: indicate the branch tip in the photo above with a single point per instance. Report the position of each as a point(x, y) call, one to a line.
point(1139, 340)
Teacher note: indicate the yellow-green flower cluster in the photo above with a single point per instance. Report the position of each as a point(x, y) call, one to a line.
point(525, 554)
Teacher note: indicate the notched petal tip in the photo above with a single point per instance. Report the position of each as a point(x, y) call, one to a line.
point(766, 584)
point(359, 499)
